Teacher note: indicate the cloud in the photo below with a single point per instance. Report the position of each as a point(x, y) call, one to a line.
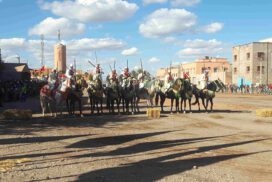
point(184, 2)
point(212, 28)
point(50, 26)
point(164, 22)
point(173, 2)
point(80, 48)
point(266, 40)
point(130, 52)
point(154, 60)
point(146, 2)
point(199, 48)
point(92, 10)
point(88, 44)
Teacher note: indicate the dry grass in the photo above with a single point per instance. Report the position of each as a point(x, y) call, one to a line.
point(217, 116)
point(264, 112)
point(7, 165)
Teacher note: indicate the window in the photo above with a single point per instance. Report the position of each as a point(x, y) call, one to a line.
point(215, 70)
point(248, 69)
point(261, 56)
point(235, 70)
point(235, 57)
point(259, 69)
point(248, 56)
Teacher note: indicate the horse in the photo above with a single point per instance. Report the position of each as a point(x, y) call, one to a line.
point(47, 101)
point(208, 93)
point(73, 97)
point(96, 92)
point(146, 93)
point(186, 93)
point(128, 95)
point(173, 93)
point(112, 92)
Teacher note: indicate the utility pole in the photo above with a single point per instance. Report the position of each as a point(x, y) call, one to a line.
point(42, 50)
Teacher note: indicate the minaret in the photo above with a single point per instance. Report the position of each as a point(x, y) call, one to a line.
point(60, 55)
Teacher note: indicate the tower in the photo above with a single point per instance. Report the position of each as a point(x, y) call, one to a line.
point(60, 55)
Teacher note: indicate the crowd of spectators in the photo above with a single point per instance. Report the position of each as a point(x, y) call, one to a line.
point(18, 90)
point(249, 89)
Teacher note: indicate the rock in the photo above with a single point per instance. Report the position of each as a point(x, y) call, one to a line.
point(17, 114)
point(195, 167)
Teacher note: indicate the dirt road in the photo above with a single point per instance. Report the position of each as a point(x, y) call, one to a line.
point(230, 144)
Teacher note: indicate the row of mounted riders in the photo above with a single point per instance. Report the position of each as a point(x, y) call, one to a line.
point(127, 92)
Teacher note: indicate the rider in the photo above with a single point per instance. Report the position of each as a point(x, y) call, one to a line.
point(125, 76)
point(53, 79)
point(168, 81)
point(113, 76)
point(141, 78)
point(97, 77)
point(205, 79)
point(186, 76)
point(70, 75)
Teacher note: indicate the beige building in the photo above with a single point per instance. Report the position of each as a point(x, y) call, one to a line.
point(60, 57)
point(252, 63)
point(219, 68)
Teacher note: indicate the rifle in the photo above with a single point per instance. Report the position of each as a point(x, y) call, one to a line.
point(110, 67)
point(91, 63)
point(95, 57)
point(142, 66)
point(127, 63)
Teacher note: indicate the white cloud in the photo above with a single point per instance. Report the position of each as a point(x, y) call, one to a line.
point(130, 52)
point(199, 48)
point(266, 40)
point(173, 2)
point(185, 2)
point(154, 60)
point(88, 44)
point(80, 48)
point(12, 44)
point(164, 22)
point(146, 2)
point(212, 28)
point(170, 39)
point(92, 10)
point(50, 26)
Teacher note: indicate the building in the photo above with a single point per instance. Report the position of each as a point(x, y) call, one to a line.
point(219, 68)
point(14, 71)
point(60, 57)
point(252, 63)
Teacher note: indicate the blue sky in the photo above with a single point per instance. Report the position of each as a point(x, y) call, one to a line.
point(177, 30)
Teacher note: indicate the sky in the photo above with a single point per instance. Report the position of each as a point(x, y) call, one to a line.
point(155, 31)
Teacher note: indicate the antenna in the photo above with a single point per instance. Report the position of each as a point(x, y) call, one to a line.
point(114, 65)
point(95, 57)
point(42, 50)
point(127, 63)
point(59, 35)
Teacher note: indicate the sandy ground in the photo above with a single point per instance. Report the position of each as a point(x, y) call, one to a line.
point(230, 144)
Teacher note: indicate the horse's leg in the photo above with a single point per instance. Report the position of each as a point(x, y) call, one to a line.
point(211, 104)
point(190, 104)
point(207, 104)
point(172, 101)
point(132, 108)
point(181, 104)
point(156, 99)
point(184, 111)
point(112, 105)
point(162, 100)
point(137, 104)
point(203, 103)
point(177, 105)
point(118, 105)
point(101, 105)
point(198, 104)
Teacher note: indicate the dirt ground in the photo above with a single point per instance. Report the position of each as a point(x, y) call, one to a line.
point(230, 144)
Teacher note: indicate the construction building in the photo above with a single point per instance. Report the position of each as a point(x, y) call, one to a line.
point(218, 68)
point(252, 63)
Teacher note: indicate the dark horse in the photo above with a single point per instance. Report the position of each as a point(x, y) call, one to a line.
point(73, 97)
point(186, 93)
point(208, 94)
point(112, 93)
point(96, 93)
point(128, 95)
point(173, 93)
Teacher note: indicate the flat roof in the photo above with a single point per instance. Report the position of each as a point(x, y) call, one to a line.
point(253, 43)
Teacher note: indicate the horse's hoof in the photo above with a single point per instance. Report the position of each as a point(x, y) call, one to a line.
point(184, 112)
point(171, 113)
